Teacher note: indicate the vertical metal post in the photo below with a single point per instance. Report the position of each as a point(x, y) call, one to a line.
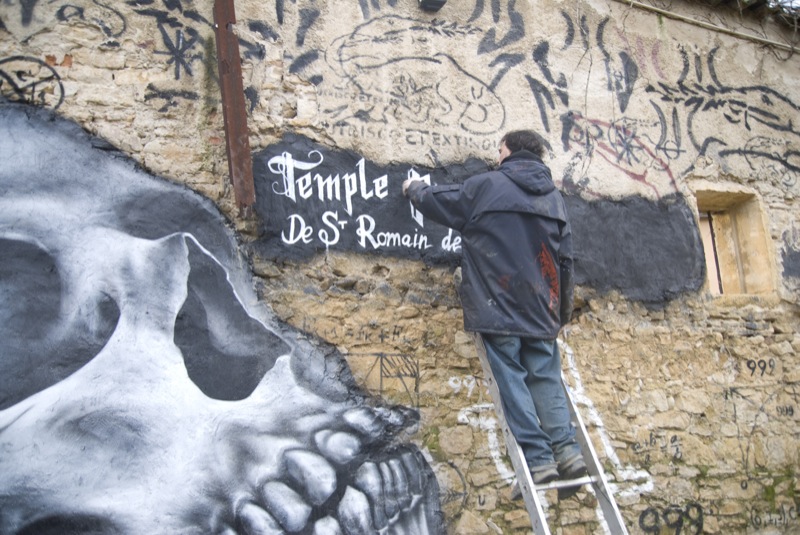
point(237, 142)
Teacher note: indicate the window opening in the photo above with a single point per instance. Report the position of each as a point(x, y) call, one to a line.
point(708, 219)
point(735, 243)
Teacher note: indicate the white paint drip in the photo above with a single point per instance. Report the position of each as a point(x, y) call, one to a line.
point(476, 416)
point(626, 473)
point(482, 416)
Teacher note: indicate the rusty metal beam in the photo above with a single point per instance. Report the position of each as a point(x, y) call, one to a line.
point(237, 141)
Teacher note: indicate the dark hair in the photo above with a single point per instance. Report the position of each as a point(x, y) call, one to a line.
point(525, 140)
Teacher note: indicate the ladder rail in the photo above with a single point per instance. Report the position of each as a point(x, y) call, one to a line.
point(530, 493)
point(611, 515)
point(532, 502)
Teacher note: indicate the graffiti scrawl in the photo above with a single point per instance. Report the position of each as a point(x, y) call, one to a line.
point(30, 80)
point(439, 98)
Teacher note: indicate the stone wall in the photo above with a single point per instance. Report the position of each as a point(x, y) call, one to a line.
point(691, 396)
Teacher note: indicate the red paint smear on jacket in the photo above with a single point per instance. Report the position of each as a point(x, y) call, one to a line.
point(550, 274)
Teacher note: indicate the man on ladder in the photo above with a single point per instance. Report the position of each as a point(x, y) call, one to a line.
point(517, 292)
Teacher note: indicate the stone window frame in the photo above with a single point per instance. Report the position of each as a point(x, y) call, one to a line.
point(739, 254)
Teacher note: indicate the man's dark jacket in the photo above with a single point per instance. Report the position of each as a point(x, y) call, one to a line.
point(516, 246)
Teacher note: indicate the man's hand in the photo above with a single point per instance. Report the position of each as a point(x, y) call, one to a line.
point(408, 183)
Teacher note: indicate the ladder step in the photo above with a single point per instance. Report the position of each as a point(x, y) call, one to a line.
point(567, 483)
point(560, 484)
point(610, 516)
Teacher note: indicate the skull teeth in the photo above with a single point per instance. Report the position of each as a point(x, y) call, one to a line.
point(369, 481)
point(377, 497)
point(339, 447)
point(400, 483)
point(354, 513)
point(327, 526)
point(179, 405)
point(312, 474)
point(286, 506)
point(256, 521)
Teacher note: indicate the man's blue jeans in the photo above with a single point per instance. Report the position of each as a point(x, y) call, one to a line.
point(528, 375)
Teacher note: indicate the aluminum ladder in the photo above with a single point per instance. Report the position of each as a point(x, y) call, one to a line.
point(596, 478)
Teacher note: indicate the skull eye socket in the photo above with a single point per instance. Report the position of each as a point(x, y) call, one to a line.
point(38, 348)
point(30, 289)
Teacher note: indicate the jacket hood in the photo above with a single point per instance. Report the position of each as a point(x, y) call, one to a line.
point(528, 172)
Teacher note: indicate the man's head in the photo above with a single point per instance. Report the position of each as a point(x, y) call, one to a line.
point(521, 140)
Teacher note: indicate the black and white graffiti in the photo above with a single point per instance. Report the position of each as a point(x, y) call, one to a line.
point(32, 15)
point(416, 87)
point(759, 121)
point(311, 198)
point(30, 80)
point(143, 388)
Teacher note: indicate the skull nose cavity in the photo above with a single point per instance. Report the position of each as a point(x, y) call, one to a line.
point(226, 351)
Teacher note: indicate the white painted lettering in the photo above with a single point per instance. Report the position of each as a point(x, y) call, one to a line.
point(381, 186)
point(298, 230)
point(365, 193)
point(304, 186)
point(416, 215)
point(366, 225)
point(330, 220)
point(285, 165)
point(350, 189)
point(451, 243)
point(368, 237)
point(328, 187)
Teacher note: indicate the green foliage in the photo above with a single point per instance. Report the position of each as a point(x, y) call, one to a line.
point(430, 440)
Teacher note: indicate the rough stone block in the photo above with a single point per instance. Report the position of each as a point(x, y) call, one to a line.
point(469, 522)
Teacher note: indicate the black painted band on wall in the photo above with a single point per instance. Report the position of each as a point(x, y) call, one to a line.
point(649, 251)
point(311, 198)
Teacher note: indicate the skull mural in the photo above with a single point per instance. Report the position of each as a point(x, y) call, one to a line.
point(143, 389)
